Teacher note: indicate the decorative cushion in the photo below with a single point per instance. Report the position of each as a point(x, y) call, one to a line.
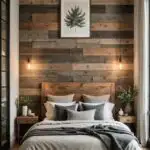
point(99, 113)
point(60, 99)
point(108, 109)
point(61, 104)
point(50, 108)
point(95, 99)
point(81, 115)
point(49, 111)
point(61, 111)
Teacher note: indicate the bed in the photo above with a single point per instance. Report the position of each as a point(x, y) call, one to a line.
point(78, 134)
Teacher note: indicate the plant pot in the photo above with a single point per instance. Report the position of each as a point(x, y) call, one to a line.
point(128, 109)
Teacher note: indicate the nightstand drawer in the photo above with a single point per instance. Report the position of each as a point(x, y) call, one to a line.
point(27, 120)
point(127, 119)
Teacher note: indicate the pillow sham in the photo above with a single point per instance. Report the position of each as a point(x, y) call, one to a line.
point(61, 111)
point(99, 113)
point(49, 111)
point(61, 104)
point(96, 99)
point(50, 108)
point(60, 99)
point(80, 115)
point(108, 109)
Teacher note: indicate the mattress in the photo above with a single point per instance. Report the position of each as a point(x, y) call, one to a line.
point(70, 142)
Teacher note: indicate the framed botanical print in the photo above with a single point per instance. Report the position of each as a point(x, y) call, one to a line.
point(75, 18)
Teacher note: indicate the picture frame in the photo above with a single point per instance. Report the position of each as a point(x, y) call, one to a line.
point(75, 19)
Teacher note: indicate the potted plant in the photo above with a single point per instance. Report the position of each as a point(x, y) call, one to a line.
point(127, 96)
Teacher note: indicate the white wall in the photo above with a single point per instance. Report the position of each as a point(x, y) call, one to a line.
point(141, 67)
point(14, 64)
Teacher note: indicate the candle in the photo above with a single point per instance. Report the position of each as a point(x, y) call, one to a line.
point(24, 110)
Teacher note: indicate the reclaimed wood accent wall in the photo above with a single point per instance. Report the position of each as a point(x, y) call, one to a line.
point(74, 60)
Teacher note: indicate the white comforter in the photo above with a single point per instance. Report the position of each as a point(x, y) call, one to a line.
point(70, 142)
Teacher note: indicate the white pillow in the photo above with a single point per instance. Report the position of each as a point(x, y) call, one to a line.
point(81, 115)
point(61, 104)
point(108, 111)
point(108, 108)
point(61, 99)
point(96, 99)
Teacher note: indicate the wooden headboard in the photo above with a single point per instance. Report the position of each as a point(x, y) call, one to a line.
point(78, 88)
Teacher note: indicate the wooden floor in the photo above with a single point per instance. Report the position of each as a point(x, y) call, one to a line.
point(16, 147)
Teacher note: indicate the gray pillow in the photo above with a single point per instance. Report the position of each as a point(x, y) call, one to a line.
point(61, 112)
point(95, 99)
point(99, 113)
point(81, 115)
point(60, 99)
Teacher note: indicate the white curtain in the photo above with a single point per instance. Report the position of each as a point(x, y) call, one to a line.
point(141, 67)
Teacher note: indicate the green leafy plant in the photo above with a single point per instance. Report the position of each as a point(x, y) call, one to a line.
point(75, 17)
point(127, 96)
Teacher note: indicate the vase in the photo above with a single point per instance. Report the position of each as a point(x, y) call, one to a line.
point(121, 113)
point(128, 109)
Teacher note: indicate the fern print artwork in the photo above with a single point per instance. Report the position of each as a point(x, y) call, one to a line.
point(75, 17)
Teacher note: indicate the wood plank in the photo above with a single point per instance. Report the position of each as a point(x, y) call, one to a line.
point(25, 17)
point(107, 52)
point(94, 2)
point(112, 9)
point(119, 9)
point(40, 73)
point(117, 41)
point(112, 34)
point(112, 2)
point(100, 66)
point(33, 35)
point(48, 17)
point(94, 8)
point(58, 67)
point(44, 51)
point(117, 46)
point(110, 17)
point(55, 43)
point(50, 51)
point(115, 74)
point(29, 91)
point(38, 26)
point(27, 35)
point(25, 2)
point(87, 41)
point(111, 26)
point(44, 44)
point(99, 26)
point(26, 45)
point(39, 8)
point(45, 2)
point(74, 59)
point(34, 82)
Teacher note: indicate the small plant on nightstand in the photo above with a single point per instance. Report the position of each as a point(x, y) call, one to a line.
point(127, 96)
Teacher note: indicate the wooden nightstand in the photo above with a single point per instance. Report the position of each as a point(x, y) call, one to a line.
point(23, 124)
point(130, 121)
